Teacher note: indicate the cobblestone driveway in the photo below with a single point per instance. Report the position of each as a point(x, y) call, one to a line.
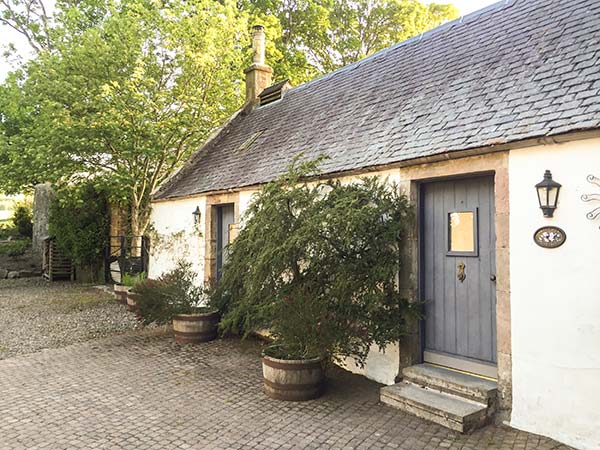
point(142, 391)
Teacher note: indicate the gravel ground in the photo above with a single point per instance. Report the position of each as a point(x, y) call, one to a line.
point(36, 315)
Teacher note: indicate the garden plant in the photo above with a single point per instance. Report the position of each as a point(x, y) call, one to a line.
point(176, 296)
point(317, 264)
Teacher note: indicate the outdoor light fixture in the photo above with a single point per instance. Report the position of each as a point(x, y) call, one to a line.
point(197, 214)
point(547, 191)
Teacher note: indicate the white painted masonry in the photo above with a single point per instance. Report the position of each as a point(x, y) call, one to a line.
point(555, 297)
point(175, 236)
point(554, 300)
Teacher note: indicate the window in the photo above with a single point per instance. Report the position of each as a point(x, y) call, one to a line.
point(462, 233)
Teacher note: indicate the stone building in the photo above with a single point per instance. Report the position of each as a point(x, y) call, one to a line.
point(467, 118)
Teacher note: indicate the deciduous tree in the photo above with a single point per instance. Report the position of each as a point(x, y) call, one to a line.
point(319, 36)
point(125, 101)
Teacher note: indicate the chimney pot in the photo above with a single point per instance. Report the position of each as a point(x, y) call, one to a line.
point(258, 75)
point(258, 44)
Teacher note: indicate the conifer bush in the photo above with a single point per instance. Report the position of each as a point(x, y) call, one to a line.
point(317, 264)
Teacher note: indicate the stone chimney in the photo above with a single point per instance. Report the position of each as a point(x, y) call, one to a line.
point(258, 75)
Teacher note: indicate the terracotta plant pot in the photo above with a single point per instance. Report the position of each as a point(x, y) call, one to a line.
point(195, 328)
point(121, 293)
point(293, 380)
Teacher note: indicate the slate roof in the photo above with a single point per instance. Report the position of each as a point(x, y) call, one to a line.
point(515, 70)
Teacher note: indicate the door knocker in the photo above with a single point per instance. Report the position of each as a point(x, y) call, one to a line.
point(461, 272)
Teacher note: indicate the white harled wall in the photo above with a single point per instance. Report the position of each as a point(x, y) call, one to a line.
point(555, 297)
point(175, 236)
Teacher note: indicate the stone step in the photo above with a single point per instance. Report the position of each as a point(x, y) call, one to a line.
point(452, 412)
point(452, 382)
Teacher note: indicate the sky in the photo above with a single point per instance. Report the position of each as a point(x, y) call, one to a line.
point(9, 35)
point(467, 6)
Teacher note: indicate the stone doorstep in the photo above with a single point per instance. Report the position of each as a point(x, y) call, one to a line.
point(452, 382)
point(452, 412)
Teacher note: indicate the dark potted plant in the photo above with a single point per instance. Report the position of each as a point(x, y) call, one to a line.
point(176, 297)
point(317, 265)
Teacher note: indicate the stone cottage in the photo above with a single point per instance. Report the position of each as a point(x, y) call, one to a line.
point(473, 119)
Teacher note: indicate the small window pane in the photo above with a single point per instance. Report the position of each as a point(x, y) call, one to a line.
point(462, 231)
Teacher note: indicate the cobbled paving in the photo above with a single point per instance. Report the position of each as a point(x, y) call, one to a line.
point(142, 391)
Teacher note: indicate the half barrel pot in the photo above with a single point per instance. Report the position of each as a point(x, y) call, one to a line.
point(121, 293)
point(132, 303)
point(293, 379)
point(196, 327)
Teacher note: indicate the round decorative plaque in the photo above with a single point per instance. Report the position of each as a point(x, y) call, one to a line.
point(550, 237)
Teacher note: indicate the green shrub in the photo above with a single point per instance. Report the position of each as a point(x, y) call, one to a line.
point(8, 229)
point(317, 264)
point(15, 248)
point(132, 279)
point(174, 292)
point(79, 221)
point(23, 219)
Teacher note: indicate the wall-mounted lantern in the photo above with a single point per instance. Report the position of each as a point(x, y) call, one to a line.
point(197, 215)
point(547, 191)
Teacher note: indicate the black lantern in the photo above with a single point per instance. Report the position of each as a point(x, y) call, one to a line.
point(197, 214)
point(547, 191)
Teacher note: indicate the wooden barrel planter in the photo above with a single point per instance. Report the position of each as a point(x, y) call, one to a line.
point(293, 380)
point(195, 328)
point(121, 293)
point(132, 304)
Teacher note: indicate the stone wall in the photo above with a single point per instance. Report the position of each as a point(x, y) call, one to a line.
point(41, 207)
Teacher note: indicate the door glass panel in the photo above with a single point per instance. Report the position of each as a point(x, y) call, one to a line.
point(461, 231)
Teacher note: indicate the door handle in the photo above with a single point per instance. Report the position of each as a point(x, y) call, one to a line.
point(493, 277)
point(461, 275)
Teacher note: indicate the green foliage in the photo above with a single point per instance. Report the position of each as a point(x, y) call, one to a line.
point(122, 98)
point(174, 292)
point(23, 218)
point(317, 265)
point(7, 229)
point(15, 248)
point(131, 280)
point(152, 301)
point(319, 36)
point(79, 221)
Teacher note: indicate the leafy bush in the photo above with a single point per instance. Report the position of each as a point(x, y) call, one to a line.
point(23, 219)
point(79, 221)
point(8, 229)
point(131, 280)
point(317, 265)
point(15, 248)
point(174, 292)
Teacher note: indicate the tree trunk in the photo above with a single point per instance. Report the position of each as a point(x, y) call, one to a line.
point(136, 237)
point(140, 219)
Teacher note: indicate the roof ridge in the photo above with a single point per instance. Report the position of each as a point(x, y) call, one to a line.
point(443, 27)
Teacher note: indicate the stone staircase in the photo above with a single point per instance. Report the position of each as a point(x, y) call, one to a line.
point(455, 400)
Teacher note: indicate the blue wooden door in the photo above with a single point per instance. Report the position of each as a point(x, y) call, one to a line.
point(458, 274)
